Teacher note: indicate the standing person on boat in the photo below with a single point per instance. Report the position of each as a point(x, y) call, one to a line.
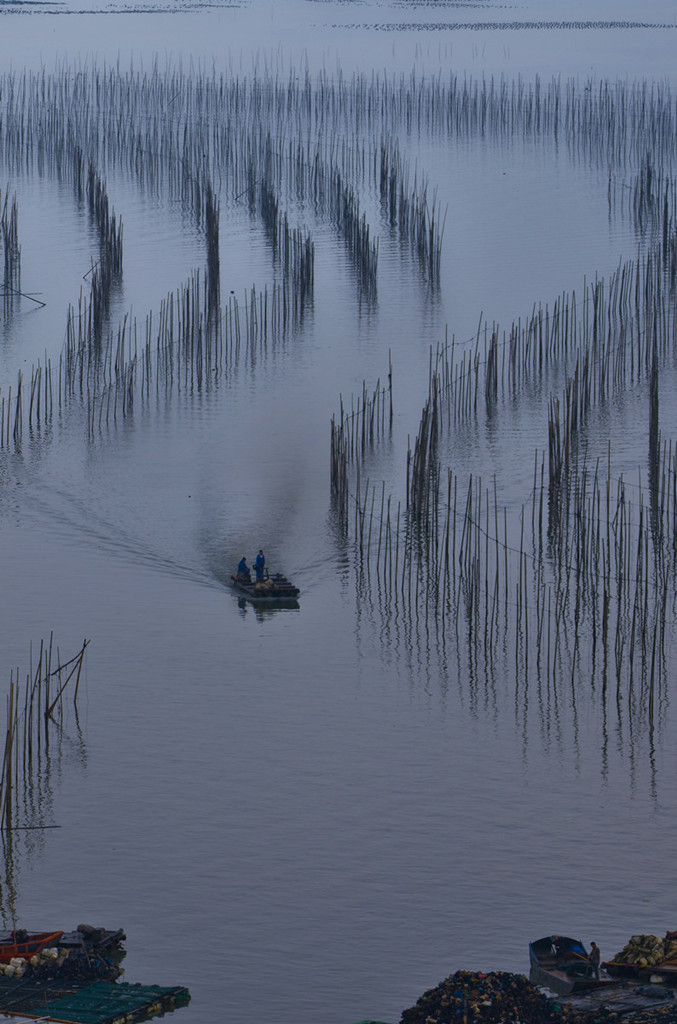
point(258, 565)
point(243, 570)
point(594, 959)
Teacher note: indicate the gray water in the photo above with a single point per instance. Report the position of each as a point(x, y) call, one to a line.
point(313, 815)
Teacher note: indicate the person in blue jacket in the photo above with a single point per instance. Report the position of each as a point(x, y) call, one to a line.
point(258, 565)
point(243, 570)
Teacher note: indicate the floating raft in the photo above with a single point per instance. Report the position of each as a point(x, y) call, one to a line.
point(100, 1003)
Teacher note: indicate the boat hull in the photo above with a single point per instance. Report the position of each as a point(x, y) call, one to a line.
point(23, 945)
point(562, 965)
point(560, 983)
point(272, 590)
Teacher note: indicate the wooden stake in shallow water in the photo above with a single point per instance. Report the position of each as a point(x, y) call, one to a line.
point(24, 728)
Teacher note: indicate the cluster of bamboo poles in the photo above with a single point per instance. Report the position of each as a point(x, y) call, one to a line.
point(31, 712)
point(363, 249)
point(330, 145)
point(109, 228)
point(37, 400)
point(293, 248)
point(649, 198)
point(211, 228)
point(184, 132)
point(603, 340)
point(147, 118)
point(624, 347)
point(596, 578)
point(598, 598)
point(184, 347)
point(153, 128)
point(107, 271)
point(9, 232)
point(329, 182)
point(369, 419)
point(423, 466)
point(406, 209)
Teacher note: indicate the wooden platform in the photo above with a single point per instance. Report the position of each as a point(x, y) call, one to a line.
point(99, 1003)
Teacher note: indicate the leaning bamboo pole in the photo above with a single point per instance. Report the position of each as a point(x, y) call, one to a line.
point(27, 728)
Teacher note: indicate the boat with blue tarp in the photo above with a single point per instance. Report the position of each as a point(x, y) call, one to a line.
point(563, 965)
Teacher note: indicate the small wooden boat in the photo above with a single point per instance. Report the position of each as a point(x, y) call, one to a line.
point(23, 944)
point(272, 588)
point(563, 965)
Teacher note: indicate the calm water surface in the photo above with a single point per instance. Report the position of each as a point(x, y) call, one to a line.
point(312, 816)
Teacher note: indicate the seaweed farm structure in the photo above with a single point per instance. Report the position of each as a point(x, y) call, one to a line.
point(577, 583)
point(585, 574)
point(81, 128)
point(99, 1002)
point(74, 979)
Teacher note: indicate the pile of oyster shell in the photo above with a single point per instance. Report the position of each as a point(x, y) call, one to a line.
point(648, 950)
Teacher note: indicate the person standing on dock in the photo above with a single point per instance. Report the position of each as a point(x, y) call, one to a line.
point(258, 565)
point(594, 959)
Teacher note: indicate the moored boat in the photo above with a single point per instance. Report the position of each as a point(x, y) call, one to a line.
point(273, 588)
point(23, 945)
point(563, 965)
